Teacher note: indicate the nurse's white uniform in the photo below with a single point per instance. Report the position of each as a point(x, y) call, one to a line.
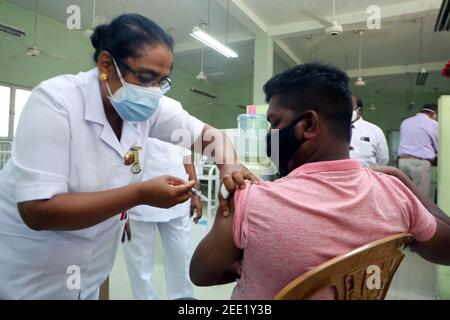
point(64, 143)
point(173, 225)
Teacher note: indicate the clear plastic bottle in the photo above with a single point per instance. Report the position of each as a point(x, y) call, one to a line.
point(251, 142)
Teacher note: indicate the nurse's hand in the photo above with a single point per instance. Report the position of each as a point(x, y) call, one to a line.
point(233, 177)
point(196, 206)
point(165, 191)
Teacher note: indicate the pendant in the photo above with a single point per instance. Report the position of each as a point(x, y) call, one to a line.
point(136, 168)
point(131, 158)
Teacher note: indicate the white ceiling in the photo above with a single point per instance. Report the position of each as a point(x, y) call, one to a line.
point(289, 21)
point(177, 16)
point(290, 11)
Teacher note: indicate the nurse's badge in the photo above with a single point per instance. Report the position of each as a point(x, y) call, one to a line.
point(131, 158)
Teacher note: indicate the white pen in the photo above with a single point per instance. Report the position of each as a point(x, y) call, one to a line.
point(198, 193)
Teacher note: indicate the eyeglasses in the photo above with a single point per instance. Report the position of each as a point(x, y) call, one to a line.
point(165, 84)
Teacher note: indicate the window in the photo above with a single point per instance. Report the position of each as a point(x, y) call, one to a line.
point(20, 98)
point(5, 104)
point(12, 101)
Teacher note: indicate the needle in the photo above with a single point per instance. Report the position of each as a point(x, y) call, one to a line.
point(198, 193)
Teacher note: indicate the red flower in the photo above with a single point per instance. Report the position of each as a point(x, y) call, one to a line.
point(446, 70)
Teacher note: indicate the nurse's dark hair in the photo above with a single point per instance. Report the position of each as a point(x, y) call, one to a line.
point(319, 87)
point(127, 35)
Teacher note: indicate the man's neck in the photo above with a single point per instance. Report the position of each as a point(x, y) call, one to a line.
point(428, 115)
point(329, 152)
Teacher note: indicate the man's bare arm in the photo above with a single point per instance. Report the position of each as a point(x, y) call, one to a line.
point(436, 249)
point(426, 201)
point(216, 257)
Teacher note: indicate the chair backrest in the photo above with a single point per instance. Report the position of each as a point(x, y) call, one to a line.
point(352, 274)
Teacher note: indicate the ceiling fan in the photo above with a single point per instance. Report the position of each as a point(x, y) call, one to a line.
point(96, 21)
point(331, 28)
point(88, 32)
point(422, 75)
point(202, 76)
point(360, 82)
point(34, 50)
point(372, 105)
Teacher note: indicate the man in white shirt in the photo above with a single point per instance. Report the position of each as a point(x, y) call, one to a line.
point(368, 144)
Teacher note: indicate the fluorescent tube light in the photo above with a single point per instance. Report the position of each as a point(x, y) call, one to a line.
point(422, 77)
point(443, 18)
point(11, 30)
point(204, 93)
point(211, 42)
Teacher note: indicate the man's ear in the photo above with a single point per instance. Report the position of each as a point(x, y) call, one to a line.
point(308, 127)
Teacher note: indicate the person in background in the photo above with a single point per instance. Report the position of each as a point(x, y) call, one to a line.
point(368, 144)
point(418, 146)
point(326, 206)
point(173, 225)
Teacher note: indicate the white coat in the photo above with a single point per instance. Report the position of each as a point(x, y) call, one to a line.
point(162, 159)
point(173, 225)
point(368, 144)
point(64, 143)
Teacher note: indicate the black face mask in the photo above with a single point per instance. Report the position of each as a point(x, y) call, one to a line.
point(288, 145)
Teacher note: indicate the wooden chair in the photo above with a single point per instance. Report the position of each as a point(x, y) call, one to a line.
point(348, 273)
point(104, 290)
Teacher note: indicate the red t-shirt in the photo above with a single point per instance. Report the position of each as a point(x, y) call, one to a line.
point(321, 210)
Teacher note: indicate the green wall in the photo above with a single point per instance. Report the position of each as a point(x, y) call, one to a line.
point(28, 71)
point(392, 109)
point(443, 272)
point(279, 65)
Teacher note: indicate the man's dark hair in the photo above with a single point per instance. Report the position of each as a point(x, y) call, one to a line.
point(319, 87)
point(428, 107)
point(359, 102)
point(127, 35)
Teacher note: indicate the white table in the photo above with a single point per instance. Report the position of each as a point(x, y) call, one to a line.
point(213, 181)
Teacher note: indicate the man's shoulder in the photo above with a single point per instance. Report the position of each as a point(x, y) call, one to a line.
point(267, 188)
point(385, 179)
point(373, 128)
point(409, 119)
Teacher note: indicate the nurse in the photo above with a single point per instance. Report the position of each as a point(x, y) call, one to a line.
point(75, 167)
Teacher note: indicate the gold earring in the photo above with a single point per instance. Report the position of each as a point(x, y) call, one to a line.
point(103, 77)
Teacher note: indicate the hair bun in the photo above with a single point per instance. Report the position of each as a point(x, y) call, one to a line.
point(98, 36)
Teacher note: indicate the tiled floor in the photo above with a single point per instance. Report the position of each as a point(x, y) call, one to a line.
point(120, 285)
point(415, 279)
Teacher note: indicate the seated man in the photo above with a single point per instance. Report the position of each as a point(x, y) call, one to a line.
point(324, 206)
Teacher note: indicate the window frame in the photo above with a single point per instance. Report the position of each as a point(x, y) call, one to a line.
point(12, 107)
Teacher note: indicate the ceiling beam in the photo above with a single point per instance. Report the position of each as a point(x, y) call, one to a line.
point(286, 53)
point(393, 70)
point(245, 15)
point(388, 13)
point(257, 26)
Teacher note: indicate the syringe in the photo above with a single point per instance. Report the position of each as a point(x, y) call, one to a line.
point(198, 193)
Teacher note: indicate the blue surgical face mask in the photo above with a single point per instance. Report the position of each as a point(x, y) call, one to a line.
point(134, 103)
